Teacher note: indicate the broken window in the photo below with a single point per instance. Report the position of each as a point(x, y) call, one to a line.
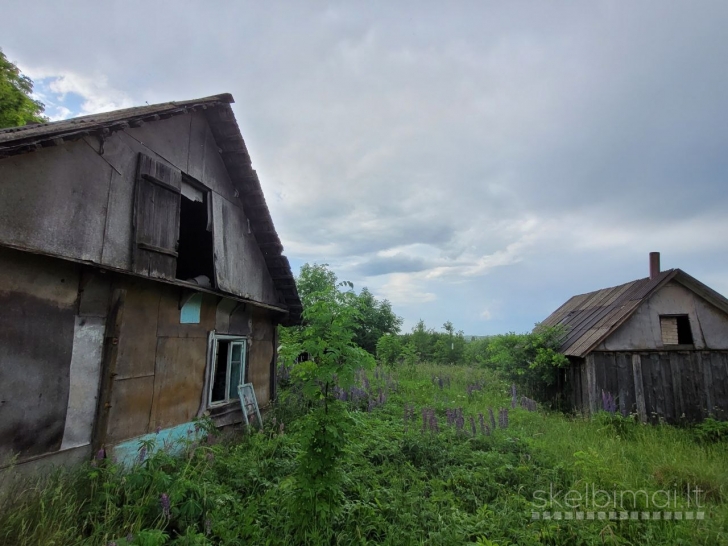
point(194, 249)
point(676, 330)
point(172, 224)
point(228, 369)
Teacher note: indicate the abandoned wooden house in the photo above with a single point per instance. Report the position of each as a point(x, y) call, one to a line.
point(141, 279)
point(656, 347)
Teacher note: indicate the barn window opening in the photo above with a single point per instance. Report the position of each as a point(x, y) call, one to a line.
point(194, 247)
point(228, 370)
point(676, 330)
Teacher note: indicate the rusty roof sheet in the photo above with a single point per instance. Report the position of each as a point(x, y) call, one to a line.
point(219, 114)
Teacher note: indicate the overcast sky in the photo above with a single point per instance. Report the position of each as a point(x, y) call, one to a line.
point(479, 162)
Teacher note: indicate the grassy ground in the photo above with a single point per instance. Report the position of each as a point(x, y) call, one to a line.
point(400, 485)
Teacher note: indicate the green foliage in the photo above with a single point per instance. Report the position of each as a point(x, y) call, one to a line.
point(389, 349)
point(711, 431)
point(371, 318)
point(531, 361)
point(16, 105)
point(428, 345)
point(393, 486)
point(376, 319)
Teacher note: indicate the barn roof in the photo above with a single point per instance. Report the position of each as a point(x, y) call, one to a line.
point(219, 114)
point(590, 318)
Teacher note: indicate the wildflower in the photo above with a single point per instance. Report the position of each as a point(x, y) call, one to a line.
point(210, 456)
point(608, 403)
point(492, 418)
point(280, 428)
point(514, 398)
point(208, 526)
point(425, 416)
point(189, 432)
point(459, 423)
point(440, 383)
point(433, 422)
point(130, 538)
point(482, 423)
point(142, 454)
point(472, 425)
point(111, 543)
point(503, 418)
point(198, 427)
point(158, 430)
point(100, 454)
point(164, 503)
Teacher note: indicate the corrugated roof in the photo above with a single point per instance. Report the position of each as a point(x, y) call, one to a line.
point(219, 114)
point(591, 318)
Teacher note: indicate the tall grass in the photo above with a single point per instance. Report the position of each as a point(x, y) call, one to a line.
point(402, 485)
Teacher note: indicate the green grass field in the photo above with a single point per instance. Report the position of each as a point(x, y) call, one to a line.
point(401, 485)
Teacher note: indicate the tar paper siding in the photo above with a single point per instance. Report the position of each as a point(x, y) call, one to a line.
point(51, 342)
point(76, 200)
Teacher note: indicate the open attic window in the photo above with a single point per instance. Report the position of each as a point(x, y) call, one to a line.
point(676, 330)
point(195, 250)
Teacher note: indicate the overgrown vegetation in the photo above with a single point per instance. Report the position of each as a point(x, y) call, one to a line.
point(402, 480)
point(410, 453)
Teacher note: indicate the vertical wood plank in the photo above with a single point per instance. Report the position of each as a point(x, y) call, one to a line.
point(591, 384)
point(639, 387)
point(667, 388)
point(677, 391)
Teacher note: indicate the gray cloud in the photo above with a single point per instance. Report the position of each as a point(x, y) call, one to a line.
point(467, 161)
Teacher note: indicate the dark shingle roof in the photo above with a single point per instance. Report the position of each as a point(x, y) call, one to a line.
point(590, 318)
point(219, 114)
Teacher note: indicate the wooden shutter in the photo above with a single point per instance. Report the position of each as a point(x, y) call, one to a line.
point(156, 218)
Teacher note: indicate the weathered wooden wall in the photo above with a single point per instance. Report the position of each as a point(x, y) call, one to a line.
point(76, 200)
point(642, 330)
point(674, 386)
point(160, 370)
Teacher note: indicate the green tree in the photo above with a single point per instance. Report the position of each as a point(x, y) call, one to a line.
point(16, 105)
point(376, 319)
point(532, 360)
point(389, 349)
point(327, 337)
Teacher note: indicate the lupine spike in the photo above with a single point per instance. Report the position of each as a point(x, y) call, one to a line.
point(492, 418)
point(472, 426)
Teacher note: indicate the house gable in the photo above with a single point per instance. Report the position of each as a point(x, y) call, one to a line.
point(76, 196)
point(643, 331)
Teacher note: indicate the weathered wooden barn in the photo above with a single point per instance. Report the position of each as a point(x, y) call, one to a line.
point(657, 347)
point(141, 279)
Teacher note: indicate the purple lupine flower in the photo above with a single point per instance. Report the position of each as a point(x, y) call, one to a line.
point(376, 373)
point(158, 430)
point(433, 422)
point(440, 383)
point(365, 383)
point(503, 418)
point(142, 454)
point(164, 503)
point(425, 417)
point(608, 403)
point(447, 381)
point(210, 456)
point(129, 538)
point(492, 418)
point(482, 423)
point(100, 454)
point(111, 543)
point(459, 423)
point(281, 428)
point(528, 404)
point(208, 526)
point(514, 397)
point(472, 425)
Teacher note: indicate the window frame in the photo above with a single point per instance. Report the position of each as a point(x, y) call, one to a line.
point(231, 339)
